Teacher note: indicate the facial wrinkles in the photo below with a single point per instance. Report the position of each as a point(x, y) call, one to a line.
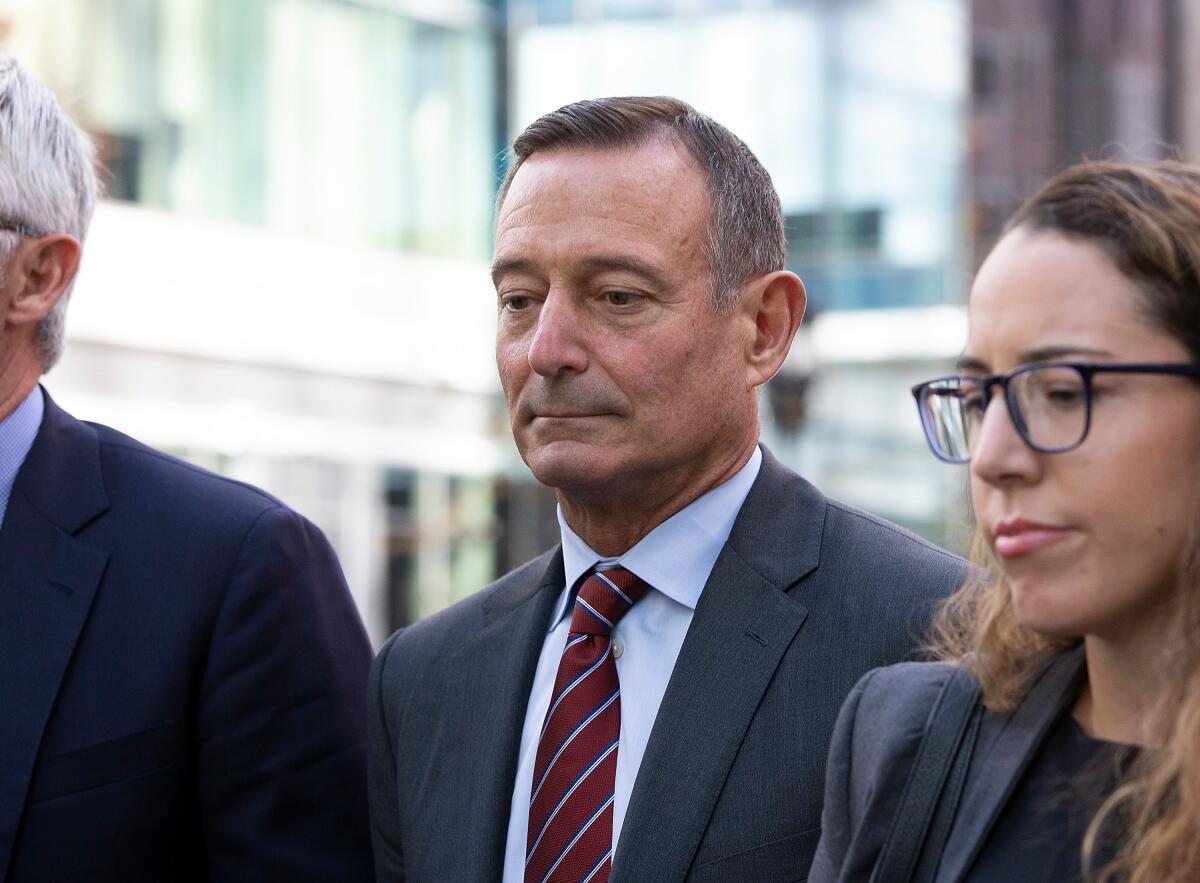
point(661, 369)
point(636, 204)
point(565, 393)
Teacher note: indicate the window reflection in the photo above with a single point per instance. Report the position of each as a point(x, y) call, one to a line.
point(343, 121)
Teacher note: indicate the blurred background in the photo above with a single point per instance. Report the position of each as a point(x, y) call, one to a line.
point(288, 282)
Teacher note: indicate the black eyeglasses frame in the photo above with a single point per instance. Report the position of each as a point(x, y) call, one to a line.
point(1086, 370)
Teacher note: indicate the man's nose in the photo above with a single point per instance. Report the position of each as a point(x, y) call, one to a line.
point(558, 343)
point(999, 453)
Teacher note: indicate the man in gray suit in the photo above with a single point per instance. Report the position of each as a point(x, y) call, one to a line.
point(653, 699)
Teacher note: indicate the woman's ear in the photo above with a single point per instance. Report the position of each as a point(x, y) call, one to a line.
point(775, 304)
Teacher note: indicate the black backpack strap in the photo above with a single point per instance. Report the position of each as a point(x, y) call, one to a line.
point(918, 834)
point(947, 808)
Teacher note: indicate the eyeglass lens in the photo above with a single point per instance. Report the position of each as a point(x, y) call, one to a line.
point(1048, 405)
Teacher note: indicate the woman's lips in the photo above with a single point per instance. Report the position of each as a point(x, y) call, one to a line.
point(1016, 537)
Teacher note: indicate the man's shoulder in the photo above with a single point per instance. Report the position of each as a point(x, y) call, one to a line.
point(438, 631)
point(841, 538)
point(130, 467)
point(896, 578)
point(875, 538)
point(784, 501)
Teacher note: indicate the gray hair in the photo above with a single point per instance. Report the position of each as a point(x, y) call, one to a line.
point(47, 178)
point(745, 230)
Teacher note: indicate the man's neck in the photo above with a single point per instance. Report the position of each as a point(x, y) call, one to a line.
point(612, 522)
point(17, 380)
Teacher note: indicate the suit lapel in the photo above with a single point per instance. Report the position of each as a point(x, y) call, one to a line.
point(48, 580)
point(741, 629)
point(1003, 755)
point(498, 666)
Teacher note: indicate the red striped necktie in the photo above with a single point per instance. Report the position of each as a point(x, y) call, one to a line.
point(571, 803)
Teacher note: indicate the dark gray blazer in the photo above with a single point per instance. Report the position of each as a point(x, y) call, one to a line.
point(806, 596)
point(876, 741)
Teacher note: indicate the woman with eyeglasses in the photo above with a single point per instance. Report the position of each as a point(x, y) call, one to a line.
point(1058, 738)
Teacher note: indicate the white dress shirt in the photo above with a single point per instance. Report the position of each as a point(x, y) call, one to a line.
point(675, 559)
point(17, 432)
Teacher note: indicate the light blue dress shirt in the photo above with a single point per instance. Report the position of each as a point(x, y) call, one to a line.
point(17, 432)
point(675, 559)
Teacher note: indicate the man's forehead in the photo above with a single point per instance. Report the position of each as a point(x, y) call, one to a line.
point(653, 186)
point(586, 173)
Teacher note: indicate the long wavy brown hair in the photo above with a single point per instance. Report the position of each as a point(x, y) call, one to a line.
point(1147, 219)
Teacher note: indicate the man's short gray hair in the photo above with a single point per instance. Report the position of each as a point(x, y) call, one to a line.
point(47, 178)
point(745, 231)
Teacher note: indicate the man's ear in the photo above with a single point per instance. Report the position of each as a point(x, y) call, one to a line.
point(38, 273)
point(775, 304)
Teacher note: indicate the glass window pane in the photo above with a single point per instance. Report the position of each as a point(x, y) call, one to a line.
point(638, 8)
point(555, 12)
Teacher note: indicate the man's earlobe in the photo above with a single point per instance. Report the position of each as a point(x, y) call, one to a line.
point(779, 304)
point(39, 273)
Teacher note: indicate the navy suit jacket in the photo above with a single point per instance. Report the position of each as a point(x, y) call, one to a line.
point(181, 676)
point(806, 595)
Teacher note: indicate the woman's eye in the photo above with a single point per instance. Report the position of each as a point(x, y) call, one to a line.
point(973, 405)
point(1065, 396)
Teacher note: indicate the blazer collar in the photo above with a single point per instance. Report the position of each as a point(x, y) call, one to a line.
point(496, 669)
point(780, 500)
point(742, 627)
point(48, 580)
point(61, 476)
point(1007, 745)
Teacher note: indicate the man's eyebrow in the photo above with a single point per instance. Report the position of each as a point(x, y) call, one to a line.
point(592, 264)
point(628, 264)
point(1041, 354)
point(509, 265)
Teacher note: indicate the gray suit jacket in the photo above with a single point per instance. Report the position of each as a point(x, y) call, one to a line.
point(875, 744)
point(806, 596)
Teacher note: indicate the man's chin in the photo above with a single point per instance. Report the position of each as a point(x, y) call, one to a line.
point(570, 465)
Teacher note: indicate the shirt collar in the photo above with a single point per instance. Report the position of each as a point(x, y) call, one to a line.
point(678, 555)
point(17, 432)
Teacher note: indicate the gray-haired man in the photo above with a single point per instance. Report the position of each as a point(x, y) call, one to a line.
point(181, 665)
point(653, 699)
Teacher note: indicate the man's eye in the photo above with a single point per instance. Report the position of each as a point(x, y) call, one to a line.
point(619, 298)
point(515, 302)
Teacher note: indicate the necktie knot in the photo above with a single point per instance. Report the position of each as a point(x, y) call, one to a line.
point(603, 599)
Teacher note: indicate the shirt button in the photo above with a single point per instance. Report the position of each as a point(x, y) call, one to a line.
point(618, 647)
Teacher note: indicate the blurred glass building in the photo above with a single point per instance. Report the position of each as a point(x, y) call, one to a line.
point(289, 280)
point(362, 122)
point(856, 109)
point(1055, 83)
